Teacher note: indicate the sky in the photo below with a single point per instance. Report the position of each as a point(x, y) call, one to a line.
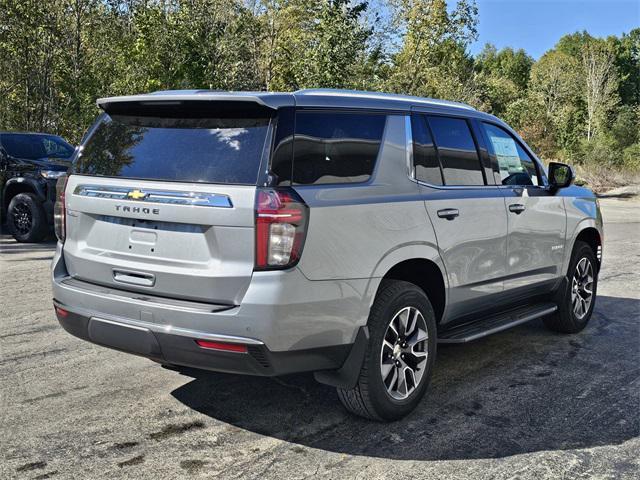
point(536, 25)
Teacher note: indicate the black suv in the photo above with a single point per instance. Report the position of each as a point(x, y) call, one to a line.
point(30, 164)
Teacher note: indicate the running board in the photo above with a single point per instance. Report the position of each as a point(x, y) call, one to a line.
point(481, 328)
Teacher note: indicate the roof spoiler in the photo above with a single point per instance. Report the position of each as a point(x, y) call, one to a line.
point(199, 104)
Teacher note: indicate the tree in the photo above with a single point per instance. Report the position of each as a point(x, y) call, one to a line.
point(28, 53)
point(554, 81)
point(627, 59)
point(573, 43)
point(313, 43)
point(433, 59)
point(503, 79)
point(510, 64)
point(579, 102)
point(554, 87)
point(600, 81)
point(338, 44)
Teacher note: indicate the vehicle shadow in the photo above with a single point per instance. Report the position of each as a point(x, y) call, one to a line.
point(519, 391)
point(9, 246)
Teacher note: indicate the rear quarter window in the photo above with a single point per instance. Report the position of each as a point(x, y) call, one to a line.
point(335, 147)
point(206, 150)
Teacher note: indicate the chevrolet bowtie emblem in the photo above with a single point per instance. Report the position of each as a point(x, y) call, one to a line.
point(136, 195)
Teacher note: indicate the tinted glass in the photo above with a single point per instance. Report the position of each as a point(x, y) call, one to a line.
point(56, 147)
point(282, 156)
point(32, 147)
point(336, 147)
point(457, 151)
point(212, 150)
point(515, 165)
point(425, 159)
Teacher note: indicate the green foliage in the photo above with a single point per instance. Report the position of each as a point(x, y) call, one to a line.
point(433, 60)
point(631, 157)
point(600, 150)
point(625, 129)
point(579, 102)
point(572, 44)
point(627, 58)
point(507, 64)
point(319, 44)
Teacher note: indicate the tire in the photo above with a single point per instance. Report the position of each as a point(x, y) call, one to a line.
point(27, 219)
point(570, 318)
point(371, 397)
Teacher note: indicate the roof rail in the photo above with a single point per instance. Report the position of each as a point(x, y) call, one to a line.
point(381, 96)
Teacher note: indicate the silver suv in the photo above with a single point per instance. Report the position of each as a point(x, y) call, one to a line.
point(335, 232)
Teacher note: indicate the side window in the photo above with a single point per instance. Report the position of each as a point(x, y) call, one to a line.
point(457, 151)
point(425, 159)
point(332, 147)
point(515, 165)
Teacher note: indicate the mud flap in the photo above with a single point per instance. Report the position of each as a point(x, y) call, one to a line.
point(347, 376)
point(561, 292)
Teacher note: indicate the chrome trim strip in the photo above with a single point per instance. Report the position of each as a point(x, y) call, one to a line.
point(197, 199)
point(455, 187)
point(409, 147)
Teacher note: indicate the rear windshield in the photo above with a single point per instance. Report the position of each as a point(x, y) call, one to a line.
point(207, 150)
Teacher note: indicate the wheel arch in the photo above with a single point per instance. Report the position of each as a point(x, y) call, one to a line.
point(589, 234)
point(426, 275)
point(418, 264)
point(17, 185)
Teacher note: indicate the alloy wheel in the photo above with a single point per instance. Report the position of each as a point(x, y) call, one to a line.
point(582, 288)
point(403, 357)
point(22, 218)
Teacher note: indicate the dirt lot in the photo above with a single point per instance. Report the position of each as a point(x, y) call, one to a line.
point(526, 403)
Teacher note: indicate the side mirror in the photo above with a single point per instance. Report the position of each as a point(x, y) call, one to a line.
point(560, 175)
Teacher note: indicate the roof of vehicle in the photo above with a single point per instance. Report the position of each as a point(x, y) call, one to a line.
point(305, 98)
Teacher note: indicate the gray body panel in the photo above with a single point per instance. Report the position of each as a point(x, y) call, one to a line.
point(204, 255)
point(282, 310)
point(472, 245)
point(582, 211)
point(354, 228)
point(536, 245)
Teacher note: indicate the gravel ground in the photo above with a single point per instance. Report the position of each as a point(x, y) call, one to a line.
point(525, 403)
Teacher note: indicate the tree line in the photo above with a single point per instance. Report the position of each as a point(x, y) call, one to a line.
point(580, 102)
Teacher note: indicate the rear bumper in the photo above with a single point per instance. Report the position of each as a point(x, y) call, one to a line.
point(289, 324)
point(180, 349)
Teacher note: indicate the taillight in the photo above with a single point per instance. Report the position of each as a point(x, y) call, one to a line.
point(59, 210)
point(281, 225)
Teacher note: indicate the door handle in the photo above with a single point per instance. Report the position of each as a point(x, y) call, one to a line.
point(134, 278)
point(448, 213)
point(517, 208)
